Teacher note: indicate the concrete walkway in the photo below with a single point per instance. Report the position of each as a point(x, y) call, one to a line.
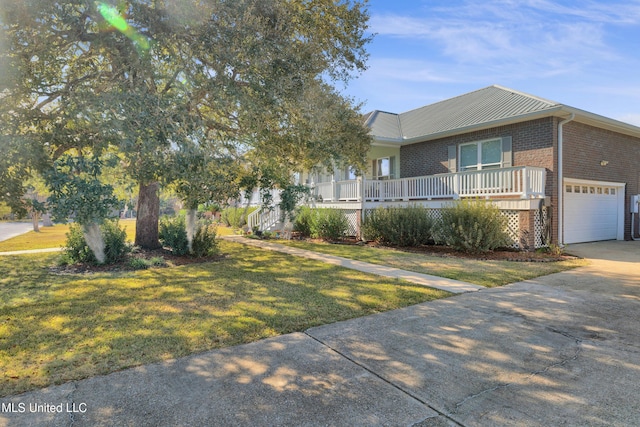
point(30, 251)
point(544, 352)
point(449, 285)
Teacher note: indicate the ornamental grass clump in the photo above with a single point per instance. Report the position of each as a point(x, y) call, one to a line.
point(472, 226)
point(404, 226)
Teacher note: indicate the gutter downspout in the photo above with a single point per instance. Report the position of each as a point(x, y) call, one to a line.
point(560, 180)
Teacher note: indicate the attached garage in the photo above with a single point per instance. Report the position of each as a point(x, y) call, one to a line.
point(593, 211)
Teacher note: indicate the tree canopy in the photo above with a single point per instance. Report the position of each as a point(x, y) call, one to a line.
point(187, 93)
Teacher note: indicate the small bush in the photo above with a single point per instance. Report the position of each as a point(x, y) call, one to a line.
point(204, 242)
point(329, 224)
point(303, 220)
point(472, 226)
point(139, 263)
point(173, 234)
point(408, 226)
point(76, 249)
point(157, 261)
point(115, 242)
point(235, 217)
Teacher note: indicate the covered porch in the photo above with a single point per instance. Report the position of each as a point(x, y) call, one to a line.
point(524, 182)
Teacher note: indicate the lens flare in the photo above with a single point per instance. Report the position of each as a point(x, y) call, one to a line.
point(113, 17)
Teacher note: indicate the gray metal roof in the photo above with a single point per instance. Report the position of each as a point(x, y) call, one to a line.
point(384, 125)
point(488, 105)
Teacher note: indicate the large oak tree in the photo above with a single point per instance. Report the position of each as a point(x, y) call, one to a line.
point(162, 82)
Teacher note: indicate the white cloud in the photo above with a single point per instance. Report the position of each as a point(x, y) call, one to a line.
point(534, 38)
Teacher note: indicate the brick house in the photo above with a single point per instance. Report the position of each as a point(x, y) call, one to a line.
point(507, 147)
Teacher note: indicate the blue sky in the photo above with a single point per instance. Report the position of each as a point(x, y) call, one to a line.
point(583, 54)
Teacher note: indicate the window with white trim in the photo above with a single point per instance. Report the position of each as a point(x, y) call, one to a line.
point(481, 155)
point(384, 168)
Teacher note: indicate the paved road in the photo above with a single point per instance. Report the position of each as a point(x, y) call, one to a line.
point(559, 350)
point(13, 229)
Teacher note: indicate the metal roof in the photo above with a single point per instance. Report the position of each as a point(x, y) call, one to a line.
point(384, 125)
point(491, 104)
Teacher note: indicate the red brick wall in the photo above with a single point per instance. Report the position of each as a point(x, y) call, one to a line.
point(586, 146)
point(533, 145)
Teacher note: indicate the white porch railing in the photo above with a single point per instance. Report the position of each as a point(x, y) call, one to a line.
point(523, 181)
point(263, 219)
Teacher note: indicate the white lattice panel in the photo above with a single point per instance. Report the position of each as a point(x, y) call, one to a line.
point(352, 218)
point(513, 227)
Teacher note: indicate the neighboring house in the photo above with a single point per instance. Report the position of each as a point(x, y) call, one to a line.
point(560, 174)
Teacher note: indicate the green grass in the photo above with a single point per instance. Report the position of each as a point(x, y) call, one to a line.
point(52, 237)
point(58, 328)
point(479, 272)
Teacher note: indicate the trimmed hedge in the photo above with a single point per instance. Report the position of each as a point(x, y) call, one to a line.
point(406, 226)
point(472, 226)
point(326, 224)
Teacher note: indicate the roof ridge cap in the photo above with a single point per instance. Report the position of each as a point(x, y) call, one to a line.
point(528, 95)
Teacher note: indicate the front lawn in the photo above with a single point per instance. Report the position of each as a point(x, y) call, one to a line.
point(489, 273)
point(53, 237)
point(59, 328)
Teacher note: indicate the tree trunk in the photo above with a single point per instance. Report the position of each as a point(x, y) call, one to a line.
point(190, 225)
point(35, 218)
point(95, 241)
point(148, 216)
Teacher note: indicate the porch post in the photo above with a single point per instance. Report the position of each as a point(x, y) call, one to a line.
point(360, 188)
point(525, 183)
point(333, 190)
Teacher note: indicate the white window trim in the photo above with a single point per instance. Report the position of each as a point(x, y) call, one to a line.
point(478, 153)
point(378, 175)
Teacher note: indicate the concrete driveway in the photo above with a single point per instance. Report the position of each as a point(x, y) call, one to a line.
point(559, 350)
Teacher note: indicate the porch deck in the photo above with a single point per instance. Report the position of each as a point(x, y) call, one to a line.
point(524, 182)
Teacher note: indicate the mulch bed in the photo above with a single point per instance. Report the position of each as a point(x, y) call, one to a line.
point(170, 260)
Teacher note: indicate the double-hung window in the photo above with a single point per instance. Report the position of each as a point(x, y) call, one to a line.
point(481, 155)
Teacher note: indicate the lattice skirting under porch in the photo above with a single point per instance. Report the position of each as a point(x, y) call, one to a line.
point(513, 225)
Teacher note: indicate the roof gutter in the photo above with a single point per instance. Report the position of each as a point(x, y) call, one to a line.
point(561, 179)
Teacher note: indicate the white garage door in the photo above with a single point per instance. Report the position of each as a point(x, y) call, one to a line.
point(592, 211)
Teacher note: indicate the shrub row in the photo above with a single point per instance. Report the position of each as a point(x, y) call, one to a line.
point(469, 226)
point(326, 224)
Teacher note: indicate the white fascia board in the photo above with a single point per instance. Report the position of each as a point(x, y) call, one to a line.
point(603, 122)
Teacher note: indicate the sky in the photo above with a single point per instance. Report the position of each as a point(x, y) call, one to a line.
point(584, 54)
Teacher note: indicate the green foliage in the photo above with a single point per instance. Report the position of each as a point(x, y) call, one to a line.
point(303, 220)
point(139, 263)
point(143, 264)
point(173, 234)
point(236, 217)
point(76, 249)
point(472, 226)
point(408, 226)
point(76, 190)
point(329, 224)
point(179, 95)
point(205, 242)
point(289, 198)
